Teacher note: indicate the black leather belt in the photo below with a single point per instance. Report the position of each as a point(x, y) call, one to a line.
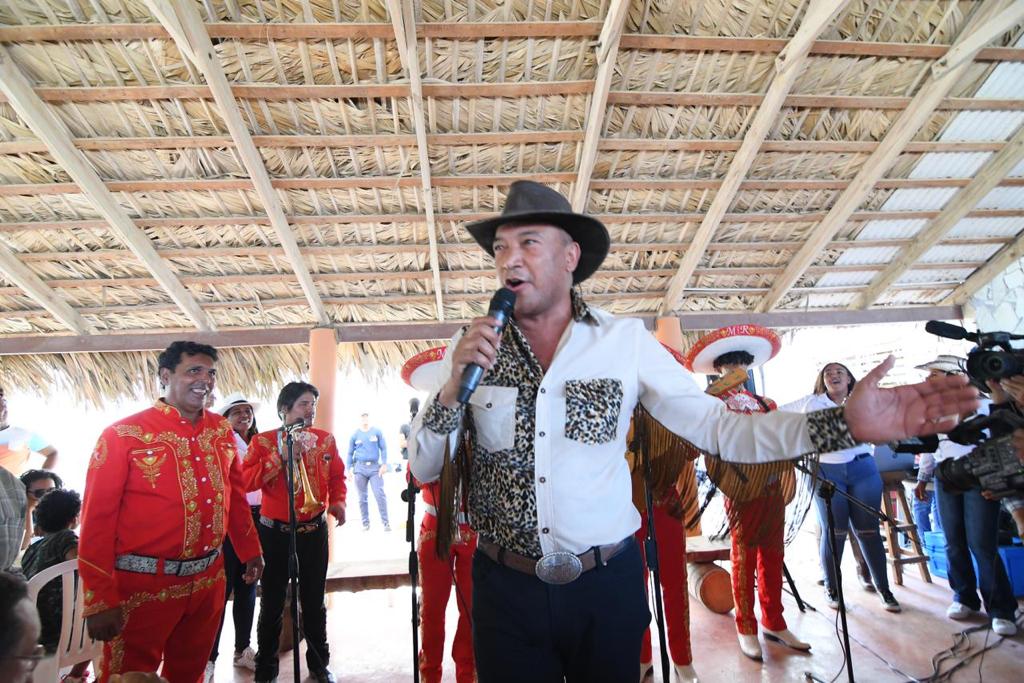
point(300, 528)
point(143, 564)
point(558, 567)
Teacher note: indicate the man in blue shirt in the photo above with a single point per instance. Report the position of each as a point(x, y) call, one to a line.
point(368, 461)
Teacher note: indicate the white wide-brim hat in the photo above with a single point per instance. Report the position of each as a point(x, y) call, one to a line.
point(945, 363)
point(760, 342)
point(423, 371)
point(233, 401)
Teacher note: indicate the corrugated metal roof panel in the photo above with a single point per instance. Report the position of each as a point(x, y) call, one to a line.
point(1003, 198)
point(959, 253)
point(927, 199)
point(949, 164)
point(929, 276)
point(867, 256)
point(1018, 170)
point(823, 301)
point(987, 227)
point(845, 279)
point(979, 126)
point(1006, 80)
point(882, 230)
point(910, 297)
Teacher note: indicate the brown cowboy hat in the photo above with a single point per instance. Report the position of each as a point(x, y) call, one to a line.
point(530, 202)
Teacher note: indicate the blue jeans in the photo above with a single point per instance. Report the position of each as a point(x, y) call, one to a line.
point(368, 474)
point(970, 524)
point(860, 479)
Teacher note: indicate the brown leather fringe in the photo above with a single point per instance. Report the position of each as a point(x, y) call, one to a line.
point(454, 490)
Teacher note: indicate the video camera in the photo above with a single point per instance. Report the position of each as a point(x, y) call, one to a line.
point(993, 465)
point(984, 362)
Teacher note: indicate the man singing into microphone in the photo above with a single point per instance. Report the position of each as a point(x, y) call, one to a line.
point(558, 587)
point(319, 486)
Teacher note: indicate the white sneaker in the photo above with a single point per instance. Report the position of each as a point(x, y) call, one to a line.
point(958, 611)
point(685, 673)
point(246, 659)
point(1004, 627)
point(208, 674)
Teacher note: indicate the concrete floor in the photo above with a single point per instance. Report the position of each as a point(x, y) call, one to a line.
point(371, 642)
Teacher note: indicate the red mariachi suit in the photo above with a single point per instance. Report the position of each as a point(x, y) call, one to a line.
point(768, 514)
point(436, 588)
point(671, 539)
point(264, 462)
point(160, 486)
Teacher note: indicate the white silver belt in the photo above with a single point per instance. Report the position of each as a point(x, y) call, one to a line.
point(142, 564)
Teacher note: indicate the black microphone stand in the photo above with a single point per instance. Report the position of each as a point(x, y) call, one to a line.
point(409, 496)
point(651, 557)
point(827, 490)
point(293, 557)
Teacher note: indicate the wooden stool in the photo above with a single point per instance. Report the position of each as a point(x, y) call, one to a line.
point(892, 485)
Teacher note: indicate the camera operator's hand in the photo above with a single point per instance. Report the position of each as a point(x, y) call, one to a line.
point(877, 415)
point(478, 345)
point(998, 394)
point(1014, 386)
point(920, 490)
point(1018, 443)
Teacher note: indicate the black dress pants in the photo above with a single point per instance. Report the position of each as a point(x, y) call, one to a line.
point(311, 549)
point(587, 631)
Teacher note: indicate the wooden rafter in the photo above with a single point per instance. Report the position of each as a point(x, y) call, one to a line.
point(21, 275)
point(878, 164)
point(183, 22)
point(48, 128)
point(788, 65)
point(491, 30)
point(404, 24)
point(607, 52)
point(987, 177)
point(984, 275)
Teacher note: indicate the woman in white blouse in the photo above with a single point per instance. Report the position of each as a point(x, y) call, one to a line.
point(854, 472)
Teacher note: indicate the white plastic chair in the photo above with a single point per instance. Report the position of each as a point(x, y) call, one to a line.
point(75, 645)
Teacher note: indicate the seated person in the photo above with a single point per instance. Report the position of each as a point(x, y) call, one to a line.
point(57, 517)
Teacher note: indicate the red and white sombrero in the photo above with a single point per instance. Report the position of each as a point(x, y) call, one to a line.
point(423, 371)
point(760, 342)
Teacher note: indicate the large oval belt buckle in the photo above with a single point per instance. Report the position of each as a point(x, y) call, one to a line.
point(559, 568)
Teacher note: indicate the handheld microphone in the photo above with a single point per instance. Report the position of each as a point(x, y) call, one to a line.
point(948, 331)
point(294, 426)
point(502, 304)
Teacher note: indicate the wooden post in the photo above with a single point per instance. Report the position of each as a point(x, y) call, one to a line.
point(323, 373)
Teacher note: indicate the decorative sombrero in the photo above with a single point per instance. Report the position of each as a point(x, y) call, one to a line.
point(423, 371)
point(760, 342)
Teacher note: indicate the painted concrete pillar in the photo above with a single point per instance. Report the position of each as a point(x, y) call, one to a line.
point(323, 373)
point(669, 332)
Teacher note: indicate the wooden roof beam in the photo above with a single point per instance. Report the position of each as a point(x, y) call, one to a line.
point(48, 128)
point(788, 66)
point(984, 275)
point(988, 177)
point(31, 284)
point(965, 51)
point(881, 160)
point(186, 27)
point(404, 24)
point(607, 52)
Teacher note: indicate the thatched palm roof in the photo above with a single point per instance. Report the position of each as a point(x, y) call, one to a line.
point(225, 166)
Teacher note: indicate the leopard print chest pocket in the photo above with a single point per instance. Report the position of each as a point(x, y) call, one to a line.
point(592, 408)
point(494, 414)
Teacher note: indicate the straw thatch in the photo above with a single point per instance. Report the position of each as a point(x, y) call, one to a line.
point(507, 89)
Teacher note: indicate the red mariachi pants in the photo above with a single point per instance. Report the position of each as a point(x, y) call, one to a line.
point(767, 515)
point(169, 618)
point(671, 538)
point(436, 588)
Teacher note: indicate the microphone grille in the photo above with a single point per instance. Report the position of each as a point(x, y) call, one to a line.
point(504, 298)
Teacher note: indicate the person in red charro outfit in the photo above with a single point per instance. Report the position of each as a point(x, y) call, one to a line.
point(436, 571)
point(162, 489)
point(319, 489)
point(757, 523)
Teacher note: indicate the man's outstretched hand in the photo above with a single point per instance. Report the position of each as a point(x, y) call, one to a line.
point(876, 415)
